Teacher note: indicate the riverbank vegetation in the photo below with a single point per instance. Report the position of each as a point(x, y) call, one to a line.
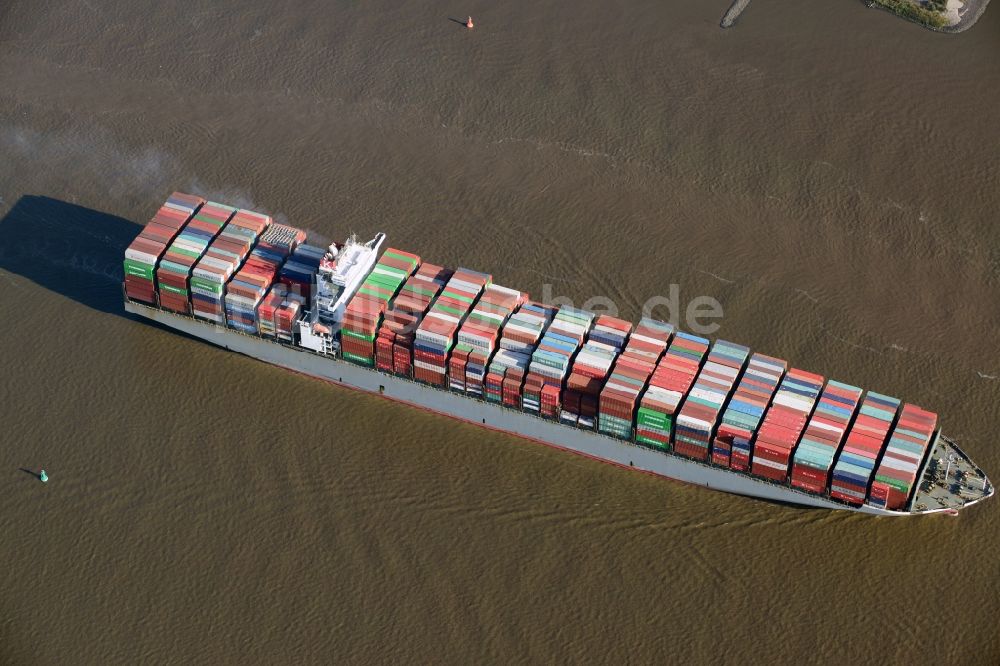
point(928, 12)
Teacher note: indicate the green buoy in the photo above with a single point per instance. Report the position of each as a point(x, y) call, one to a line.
point(43, 477)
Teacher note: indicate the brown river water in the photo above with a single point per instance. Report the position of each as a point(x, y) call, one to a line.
point(828, 173)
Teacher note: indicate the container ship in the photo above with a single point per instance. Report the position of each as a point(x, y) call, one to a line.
point(452, 341)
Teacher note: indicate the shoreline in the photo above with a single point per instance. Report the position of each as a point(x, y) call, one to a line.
point(733, 13)
point(968, 15)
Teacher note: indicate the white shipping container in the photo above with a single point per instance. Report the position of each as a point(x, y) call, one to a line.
point(494, 316)
point(795, 402)
point(443, 316)
point(625, 388)
point(893, 463)
point(692, 422)
point(142, 257)
point(846, 491)
point(428, 366)
point(177, 206)
point(837, 432)
point(769, 463)
point(512, 293)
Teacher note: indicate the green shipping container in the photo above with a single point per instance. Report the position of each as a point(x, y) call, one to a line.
point(138, 269)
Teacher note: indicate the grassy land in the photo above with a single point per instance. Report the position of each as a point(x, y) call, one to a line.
point(928, 13)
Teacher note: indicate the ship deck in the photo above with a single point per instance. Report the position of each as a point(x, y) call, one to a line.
point(951, 481)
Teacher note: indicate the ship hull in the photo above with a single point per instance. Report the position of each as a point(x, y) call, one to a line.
point(495, 417)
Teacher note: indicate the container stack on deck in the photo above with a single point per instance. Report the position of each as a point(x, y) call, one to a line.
point(551, 360)
point(290, 311)
point(299, 271)
point(436, 333)
point(854, 467)
point(896, 474)
point(668, 385)
point(251, 283)
point(143, 254)
point(478, 337)
point(819, 444)
point(508, 367)
point(394, 345)
point(740, 421)
point(173, 277)
point(298, 276)
point(221, 260)
point(591, 370)
point(628, 379)
point(267, 311)
point(364, 311)
point(699, 414)
point(783, 424)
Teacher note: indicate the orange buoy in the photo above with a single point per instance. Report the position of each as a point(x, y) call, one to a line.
point(468, 23)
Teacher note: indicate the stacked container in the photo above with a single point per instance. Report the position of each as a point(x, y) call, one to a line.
point(267, 310)
point(143, 254)
point(784, 423)
point(394, 346)
point(299, 271)
point(399, 318)
point(742, 417)
point(364, 311)
point(699, 415)
point(505, 377)
point(475, 372)
point(508, 367)
point(628, 379)
point(436, 334)
point(818, 447)
point(174, 273)
point(292, 307)
point(478, 337)
point(856, 463)
point(551, 360)
point(221, 260)
point(668, 385)
point(896, 474)
point(457, 361)
point(250, 284)
point(591, 369)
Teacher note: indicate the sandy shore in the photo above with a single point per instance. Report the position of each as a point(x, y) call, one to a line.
point(963, 15)
point(733, 13)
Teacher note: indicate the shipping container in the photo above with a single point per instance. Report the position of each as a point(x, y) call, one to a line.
point(784, 424)
point(480, 333)
point(299, 271)
point(252, 281)
point(404, 315)
point(671, 380)
point(897, 472)
point(699, 415)
point(437, 332)
point(504, 381)
point(743, 414)
point(224, 256)
point(551, 359)
point(865, 440)
point(591, 370)
point(174, 274)
point(363, 316)
point(821, 441)
point(632, 369)
point(143, 255)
